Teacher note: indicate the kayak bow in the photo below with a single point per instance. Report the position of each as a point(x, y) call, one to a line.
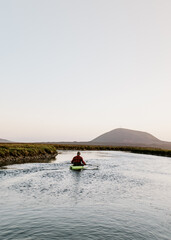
point(77, 168)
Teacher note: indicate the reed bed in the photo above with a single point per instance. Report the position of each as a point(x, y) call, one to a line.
point(139, 150)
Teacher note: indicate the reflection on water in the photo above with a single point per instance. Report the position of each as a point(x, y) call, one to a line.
point(128, 197)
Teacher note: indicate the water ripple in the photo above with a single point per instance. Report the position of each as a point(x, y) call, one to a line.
point(128, 197)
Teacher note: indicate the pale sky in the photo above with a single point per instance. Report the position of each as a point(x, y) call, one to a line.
point(71, 70)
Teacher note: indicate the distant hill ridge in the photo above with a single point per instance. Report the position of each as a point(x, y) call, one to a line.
point(3, 140)
point(122, 136)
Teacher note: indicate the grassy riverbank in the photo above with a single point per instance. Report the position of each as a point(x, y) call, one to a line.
point(11, 153)
point(140, 150)
point(21, 153)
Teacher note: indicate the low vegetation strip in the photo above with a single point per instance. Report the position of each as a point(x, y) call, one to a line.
point(11, 153)
point(22, 153)
point(140, 150)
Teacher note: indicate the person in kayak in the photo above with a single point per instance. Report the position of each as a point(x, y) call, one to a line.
point(78, 160)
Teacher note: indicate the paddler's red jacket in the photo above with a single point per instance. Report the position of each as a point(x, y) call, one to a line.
point(78, 160)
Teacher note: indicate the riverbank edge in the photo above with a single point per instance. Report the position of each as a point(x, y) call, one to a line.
point(35, 153)
point(10, 160)
point(26, 153)
point(137, 150)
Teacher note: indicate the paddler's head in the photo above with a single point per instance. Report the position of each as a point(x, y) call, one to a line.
point(78, 153)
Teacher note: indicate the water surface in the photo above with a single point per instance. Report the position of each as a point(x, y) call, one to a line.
point(128, 197)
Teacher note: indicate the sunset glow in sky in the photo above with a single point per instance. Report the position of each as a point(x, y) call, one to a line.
point(71, 70)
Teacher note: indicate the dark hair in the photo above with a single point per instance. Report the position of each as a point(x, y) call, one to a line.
point(78, 153)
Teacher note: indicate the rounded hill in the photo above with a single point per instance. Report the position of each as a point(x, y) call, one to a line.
point(126, 137)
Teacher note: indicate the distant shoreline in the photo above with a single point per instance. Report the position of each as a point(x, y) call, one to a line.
point(131, 149)
point(20, 153)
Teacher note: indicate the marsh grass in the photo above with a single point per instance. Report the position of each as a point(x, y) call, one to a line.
point(139, 150)
point(25, 150)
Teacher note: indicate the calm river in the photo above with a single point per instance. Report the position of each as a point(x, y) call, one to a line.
point(127, 198)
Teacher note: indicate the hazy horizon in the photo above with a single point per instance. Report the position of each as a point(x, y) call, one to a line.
point(73, 70)
point(82, 139)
